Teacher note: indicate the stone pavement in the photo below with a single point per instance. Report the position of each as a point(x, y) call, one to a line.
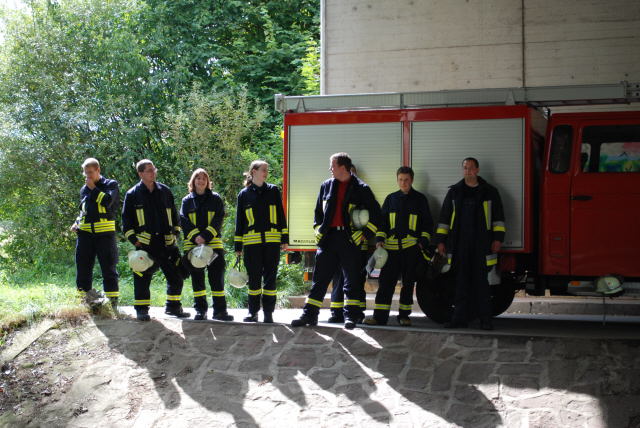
point(172, 373)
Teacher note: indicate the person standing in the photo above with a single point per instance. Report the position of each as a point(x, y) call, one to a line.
point(338, 241)
point(150, 222)
point(95, 229)
point(261, 232)
point(470, 232)
point(405, 230)
point(201, 215)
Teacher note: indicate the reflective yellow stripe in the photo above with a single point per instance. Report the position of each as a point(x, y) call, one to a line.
point(392, 220)
point(112, 293)
point(137, 273)
point(413, 221)
point(409, 241)
point(498, 226)
point(426, 235)
point(173, 297)
point(201, 293)
point(492, 259)
point(363, 304)
point(217, 293)
point(169, 239)
point(213, 230)
point(268, 292)
point(237, 238)
point(142, 302)
point(485, 206)
point(372, 227)
point(273, 236)
point(101, 209)
point(381, 234)
point(336, 305)
point(193, 233)
point(405, 307)
point(255, 292)
point(128, 233)
point(210, 215)
point(285, 231)
point(144, 237)
point(351, 302)
point(391, 243)
point(193, 218)
point(140, 215)
point(249, 213)
point(169, 218)
point(273, 216)
point(314, 302)
point(98, 227)
point(357, 236)
point(382, 307)
point(100, 197)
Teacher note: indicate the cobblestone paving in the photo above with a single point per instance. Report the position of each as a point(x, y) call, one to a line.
point(168, 373)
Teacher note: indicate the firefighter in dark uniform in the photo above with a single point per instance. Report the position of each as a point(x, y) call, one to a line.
point(150, 222)
point(261, 232)
point(338, 241)
point(96, 232)
point(201, 216)
point(470, 232)
point(405, 229)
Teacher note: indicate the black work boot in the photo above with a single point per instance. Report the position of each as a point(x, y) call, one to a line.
point(268, 318)
point(176, 311)
point(223, 316)
point(305, 319)
point(200, 316)
point(337, 317)
point(251, 318)
point(143, 314)
point(349, 324)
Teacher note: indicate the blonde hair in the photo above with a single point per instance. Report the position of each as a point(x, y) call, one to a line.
point(192, 181)
point(248, 175)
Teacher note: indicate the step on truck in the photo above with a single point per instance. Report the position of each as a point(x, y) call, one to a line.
point(569, 182)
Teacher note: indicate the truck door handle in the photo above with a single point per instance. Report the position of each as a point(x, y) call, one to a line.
point(581, 198)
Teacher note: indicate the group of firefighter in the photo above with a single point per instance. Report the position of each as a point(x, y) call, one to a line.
point(468, 236)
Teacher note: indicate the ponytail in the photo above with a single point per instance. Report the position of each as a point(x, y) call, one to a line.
point(248, 175)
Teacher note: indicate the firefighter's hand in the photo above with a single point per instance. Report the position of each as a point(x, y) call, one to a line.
point(200, 240)
point(284, 247)
point(90, 184)
point(442, 249)
point(495, 246)
point(380, 244)
point(74, 227)
point(238, 253)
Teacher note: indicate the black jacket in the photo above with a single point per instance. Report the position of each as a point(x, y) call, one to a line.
point(137, 216)
point(260, 217)
point(202, 215)
point(406, 220)
point(491, 225)
point(357, 196)
point(98, 206)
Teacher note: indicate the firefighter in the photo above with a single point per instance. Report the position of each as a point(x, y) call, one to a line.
point(95, 228)
point(261, 232)
point(470, 232)
point(338, 241)
point(405, 229)
point(201, 215)
point(150, 222)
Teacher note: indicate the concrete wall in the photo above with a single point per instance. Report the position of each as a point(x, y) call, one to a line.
point(426, 45)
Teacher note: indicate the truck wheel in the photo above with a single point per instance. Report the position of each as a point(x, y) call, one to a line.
point(435, 297)
point(501, 297)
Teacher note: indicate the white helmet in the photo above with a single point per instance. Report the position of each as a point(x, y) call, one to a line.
point(201, 256)
point(139, 260)
point(609, 285)
point(377, 259)
point(360, 218)
point(237, 278)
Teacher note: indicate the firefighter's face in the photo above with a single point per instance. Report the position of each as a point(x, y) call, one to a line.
point(404, 182)
point(92, 173)
point(469, 169)
point(201, 182)
point(338, 172)
point(149, 174)
point(260, 175)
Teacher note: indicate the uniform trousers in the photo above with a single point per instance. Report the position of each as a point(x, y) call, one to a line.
point(261, 262)
point(337, 290)
point(215, 274)
point(103, 245)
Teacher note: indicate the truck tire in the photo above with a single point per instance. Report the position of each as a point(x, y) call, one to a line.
point(501, 297)
point(435, 297)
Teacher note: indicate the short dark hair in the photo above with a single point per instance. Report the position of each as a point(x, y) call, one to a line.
point(342, 159)
point(142, 165)
point(405, 170)
point(471, 159)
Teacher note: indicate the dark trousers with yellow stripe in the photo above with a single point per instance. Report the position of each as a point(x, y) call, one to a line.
point(261, 261)
point(400, 264)
point(473, 295)
point(215, 274)
point(337, 290)
point(337, 252)
point(103, 245)
point(167, 260)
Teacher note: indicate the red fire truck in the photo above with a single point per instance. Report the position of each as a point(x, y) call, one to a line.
point(570, 182)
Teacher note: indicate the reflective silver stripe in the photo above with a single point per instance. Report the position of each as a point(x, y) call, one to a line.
point(442, 228)
point(498, 226)
point(492, 259)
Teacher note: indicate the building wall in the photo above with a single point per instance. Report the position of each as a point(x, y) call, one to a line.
point(427, 45)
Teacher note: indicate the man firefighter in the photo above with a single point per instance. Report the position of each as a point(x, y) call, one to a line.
point(96, 233)
point(338, 240)
point(470, 232)
point(405, 229)
point(150, 222)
